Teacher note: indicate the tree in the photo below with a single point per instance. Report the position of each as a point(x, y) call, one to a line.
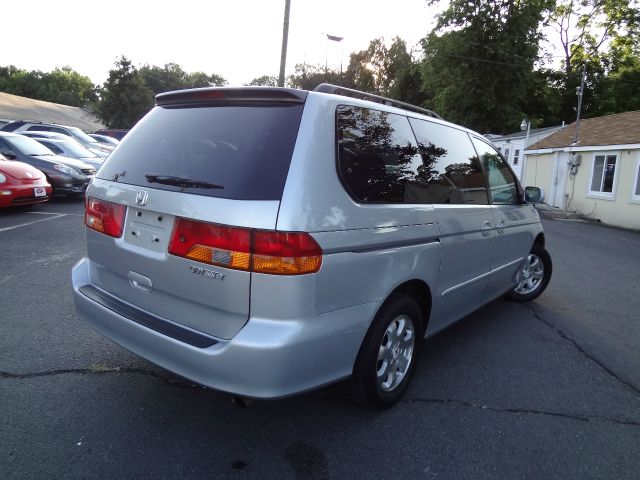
point(308, 77)
point(264, 81)
point(173, 77)
point(367, 69)
point(62, 85)
point(586, 26)
point(478, 61)
point(601, 35)
point(125, 98)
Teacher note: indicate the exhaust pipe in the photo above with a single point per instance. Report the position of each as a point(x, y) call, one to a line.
point(241, 402)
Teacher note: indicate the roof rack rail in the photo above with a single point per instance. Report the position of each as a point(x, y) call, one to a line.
point(350, 92)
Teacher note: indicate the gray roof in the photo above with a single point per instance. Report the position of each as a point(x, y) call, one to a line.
point(13, 107)
point(523, 134)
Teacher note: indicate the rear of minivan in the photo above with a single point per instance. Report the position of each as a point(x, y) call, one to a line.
point(186, 263)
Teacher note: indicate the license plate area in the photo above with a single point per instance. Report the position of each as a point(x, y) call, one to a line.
point(39, 192)
point(147, 229)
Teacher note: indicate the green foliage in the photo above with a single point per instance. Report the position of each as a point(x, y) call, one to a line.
point(62, 85)
point(264, 81)
point(478, 62)
point(308, 77)
point(586, 27)
point(173, 77)
point(125, 98)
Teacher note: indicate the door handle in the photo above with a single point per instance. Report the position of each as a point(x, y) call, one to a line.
point(486, 229)
point(501, 224)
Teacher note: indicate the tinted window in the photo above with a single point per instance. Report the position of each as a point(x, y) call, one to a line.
point(502, 182)
point(39, 128)
point(27, 146)
point(5, 146)
point(377, 155)
point(242, 152)
point(53, 147)
point(451, 170)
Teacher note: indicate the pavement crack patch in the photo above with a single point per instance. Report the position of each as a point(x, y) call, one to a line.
point(581, 349)
point(523, 411)
point(99, 370)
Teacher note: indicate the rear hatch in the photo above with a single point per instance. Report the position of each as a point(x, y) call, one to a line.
point(219, 156)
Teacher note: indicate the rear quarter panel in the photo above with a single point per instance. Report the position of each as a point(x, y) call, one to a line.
point(368, 249)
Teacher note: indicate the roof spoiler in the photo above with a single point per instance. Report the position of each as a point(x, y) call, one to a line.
point(231, 95)
point(349, 92)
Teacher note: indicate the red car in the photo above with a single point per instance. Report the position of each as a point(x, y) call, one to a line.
point(22, 184)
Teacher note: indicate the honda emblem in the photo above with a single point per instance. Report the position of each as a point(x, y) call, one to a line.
point(142, 197)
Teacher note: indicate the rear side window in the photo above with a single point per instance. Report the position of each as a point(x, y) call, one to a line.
point(452, 171)
point(377, 155)
point(230, 151)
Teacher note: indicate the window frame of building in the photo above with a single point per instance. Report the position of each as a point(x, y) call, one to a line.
point(635, 185)
point(599, 193)
point(516, 156)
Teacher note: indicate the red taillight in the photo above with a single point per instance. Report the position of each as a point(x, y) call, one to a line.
point(104, 217)
point(277, 253)
point(210, 243)
point(284, 253)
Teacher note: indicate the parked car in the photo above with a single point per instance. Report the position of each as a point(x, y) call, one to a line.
point(21, 184)
point(66, 176)
point(36, 134)
point(113, 132)
point(271, 241)
point(105, 139)
point(101, 149)
point(72, 149)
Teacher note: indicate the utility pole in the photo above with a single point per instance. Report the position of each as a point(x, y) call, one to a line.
point(285, 39)
point(580, 93)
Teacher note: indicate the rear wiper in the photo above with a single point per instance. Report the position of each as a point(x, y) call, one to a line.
point(178, 181)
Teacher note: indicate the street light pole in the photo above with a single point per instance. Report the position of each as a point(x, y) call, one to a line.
point(580, 93)
point(285, 39)
point(525, 124)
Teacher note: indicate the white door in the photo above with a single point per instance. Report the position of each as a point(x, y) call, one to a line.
point(556, 198)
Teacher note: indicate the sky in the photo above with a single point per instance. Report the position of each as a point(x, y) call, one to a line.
point(238, 39)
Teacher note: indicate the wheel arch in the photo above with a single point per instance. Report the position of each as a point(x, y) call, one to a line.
point(420, 291)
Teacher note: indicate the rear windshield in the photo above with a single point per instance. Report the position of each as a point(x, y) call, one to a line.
point(237, 152)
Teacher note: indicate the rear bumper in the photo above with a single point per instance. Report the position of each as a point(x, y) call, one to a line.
point(268, 358)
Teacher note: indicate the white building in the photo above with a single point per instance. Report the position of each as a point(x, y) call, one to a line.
point(512, 145)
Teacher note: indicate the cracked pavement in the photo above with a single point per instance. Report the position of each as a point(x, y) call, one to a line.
point(549, 389)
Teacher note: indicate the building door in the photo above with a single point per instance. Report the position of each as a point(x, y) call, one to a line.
point(557, 198)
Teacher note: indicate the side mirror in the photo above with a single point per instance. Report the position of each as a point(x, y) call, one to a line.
point(534, 194)
point(8, 155)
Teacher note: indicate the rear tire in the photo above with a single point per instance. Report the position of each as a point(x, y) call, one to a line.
point(533, 277)
point(388, 355)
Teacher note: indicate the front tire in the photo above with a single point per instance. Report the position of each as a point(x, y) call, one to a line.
point(533, 277)
point(388, 355)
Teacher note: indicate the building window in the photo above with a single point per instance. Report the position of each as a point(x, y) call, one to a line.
point(635, 192)
point(516, 156)
point(603, 175)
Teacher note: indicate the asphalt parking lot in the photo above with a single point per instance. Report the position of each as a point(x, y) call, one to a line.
point(549, 389)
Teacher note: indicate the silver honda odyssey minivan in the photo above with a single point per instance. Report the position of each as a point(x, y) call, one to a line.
point(268, 241)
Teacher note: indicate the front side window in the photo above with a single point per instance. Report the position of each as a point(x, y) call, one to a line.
point(378, 157)
point(502, 182)
point(603, 174)
point(451, 170)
